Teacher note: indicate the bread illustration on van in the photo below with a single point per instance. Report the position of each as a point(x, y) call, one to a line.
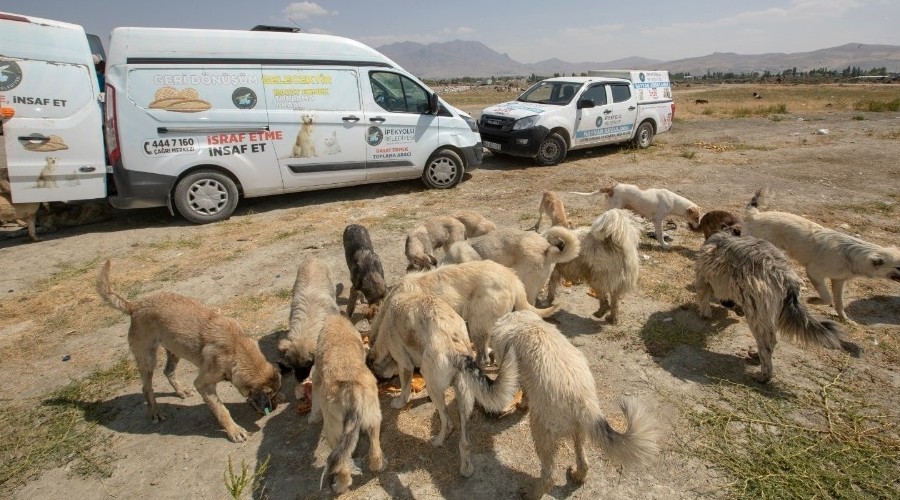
point(305, 146)
point(42, 145)
point(186, 100)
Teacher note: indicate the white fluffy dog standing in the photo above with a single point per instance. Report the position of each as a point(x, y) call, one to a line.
point(531, 255)
point(563, 403)
point(654, 204)
point(824, 253)
point(608, 262)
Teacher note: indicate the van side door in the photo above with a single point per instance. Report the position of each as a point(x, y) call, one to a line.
point(54, 142)
point(400, 132)
point(318, 111)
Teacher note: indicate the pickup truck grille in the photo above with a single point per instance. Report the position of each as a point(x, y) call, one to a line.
point(496, 123)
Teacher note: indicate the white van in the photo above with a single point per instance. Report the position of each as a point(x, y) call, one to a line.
point(197, 118)
point(53, 142)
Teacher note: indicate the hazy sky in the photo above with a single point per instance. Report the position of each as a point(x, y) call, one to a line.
point(575, 31)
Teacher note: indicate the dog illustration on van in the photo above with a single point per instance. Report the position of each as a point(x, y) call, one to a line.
point(305, 146)
point(47, 179)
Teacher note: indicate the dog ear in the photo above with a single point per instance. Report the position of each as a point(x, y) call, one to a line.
point(284, 345)
point(432, 260)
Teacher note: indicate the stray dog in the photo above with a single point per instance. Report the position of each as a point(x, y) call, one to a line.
point(476, 224)
point(552, 205)
point(608, 261)
point(824, 253)
point(312, 300)
point(439, 231)
point(366, 272)
point(653, 204)
point(305, 146)
point(758, 277)
point(421, 330)
point(717, 220)
point(216, 344)
point(530, 255)
point(345, 396)
point(562, 400)
point(25, 211)
point(479, 291)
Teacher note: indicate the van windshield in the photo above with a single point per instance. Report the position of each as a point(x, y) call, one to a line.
point(559, 93)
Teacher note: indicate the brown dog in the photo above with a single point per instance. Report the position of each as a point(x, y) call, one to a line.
point(216, 344)
point(345, 396)
point(439, 231)
point(716, 220)
point(552, 205)
point(24, 211)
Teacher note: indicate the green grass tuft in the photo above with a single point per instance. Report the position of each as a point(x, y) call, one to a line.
point(877, 106)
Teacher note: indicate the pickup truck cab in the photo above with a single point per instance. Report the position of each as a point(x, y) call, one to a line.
point(566, 113)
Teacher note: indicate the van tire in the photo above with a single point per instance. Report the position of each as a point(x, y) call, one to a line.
point(206, 196)
point(552, 150)
point(444, 170)
point(644, 136)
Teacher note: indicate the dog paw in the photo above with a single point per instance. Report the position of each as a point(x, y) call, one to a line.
point(466, 469)
point(184, 394)
point(576, 476)
point(817, 301)
point(762, 378)
point(398, 403)
point(237, 434)
point(157, 417)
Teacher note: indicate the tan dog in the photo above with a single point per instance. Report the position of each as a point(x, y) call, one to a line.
point(608, 262)
point(312, 300)
point(479, 291)
point(420, 330)
point(552, 205)
point(476, 224)
point(305, 146)
point(653, 204)
point(758, 278)
point(716, 220)
point(25, 211)
point(562, 401)
point(823, 252)
point(216, 344)
point(345, 397)
point(532, 256)
point(439, 231)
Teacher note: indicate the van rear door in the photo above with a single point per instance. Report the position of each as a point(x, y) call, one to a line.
point(54, 142)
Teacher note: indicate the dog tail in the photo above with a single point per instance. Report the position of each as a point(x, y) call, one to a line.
point(796, 323)
point(592, 193)
point(341, 454)
point(106, 292)
point(759, 200)
point(495, 394)
point(564, 244)
point(637, 444)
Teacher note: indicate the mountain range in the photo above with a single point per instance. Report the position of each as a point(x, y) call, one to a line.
point(461, 58)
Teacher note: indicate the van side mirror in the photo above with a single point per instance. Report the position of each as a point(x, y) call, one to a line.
point(585, 103)
point(434, 104)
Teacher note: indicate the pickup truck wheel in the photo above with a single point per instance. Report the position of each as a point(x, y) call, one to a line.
point(444, 170)
point(552, 150)
point(644, 136)
point(206, 196)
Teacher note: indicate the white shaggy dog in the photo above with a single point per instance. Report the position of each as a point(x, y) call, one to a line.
point(758, 277)
point(824, 253)
point(608, 262)
point(654, 204)
point(420, 330)
point(562, 400)
point(530, 255)
point(479, 291)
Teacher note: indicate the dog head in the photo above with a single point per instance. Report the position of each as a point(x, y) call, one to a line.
point(293, 360)
point(264, 398)
point(380, 361)
point(422, 263)
point(692, 215)
point(885, 263)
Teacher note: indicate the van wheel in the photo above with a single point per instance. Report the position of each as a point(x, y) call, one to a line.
point(644, 136)
point(444, 170)
point(206, 196)
point(552, 150)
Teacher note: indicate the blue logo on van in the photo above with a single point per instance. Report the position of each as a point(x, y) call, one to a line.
point(10, 75)
point(243, 98)
point(642, 77)
point(374, 136)
point(599, 121)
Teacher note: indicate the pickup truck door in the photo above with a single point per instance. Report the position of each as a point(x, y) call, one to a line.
point(589, 122)
point(619, 119)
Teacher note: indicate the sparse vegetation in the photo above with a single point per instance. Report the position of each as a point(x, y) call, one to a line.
point(237, 484)
point(877, 106)
point(687, 153)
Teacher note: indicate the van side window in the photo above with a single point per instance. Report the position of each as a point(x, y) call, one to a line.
point(397, 93)
point(596, 93)
point(620, 92)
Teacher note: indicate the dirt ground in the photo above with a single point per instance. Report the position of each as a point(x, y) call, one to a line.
point(847, 178)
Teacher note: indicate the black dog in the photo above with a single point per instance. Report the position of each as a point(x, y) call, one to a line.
point(366, 272)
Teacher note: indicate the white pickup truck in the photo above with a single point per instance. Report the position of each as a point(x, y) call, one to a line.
point(561, 114)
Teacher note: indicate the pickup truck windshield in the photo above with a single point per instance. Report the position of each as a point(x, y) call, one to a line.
point(559, 93)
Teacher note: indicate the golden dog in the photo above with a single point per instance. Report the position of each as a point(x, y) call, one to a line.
point(552, 205)
point(216, 344)
point(420, 330)
point(439, 231)
point(476, 224)
point(562, 400)
point(345, 397)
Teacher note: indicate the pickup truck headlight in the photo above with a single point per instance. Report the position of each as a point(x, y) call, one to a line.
point(470, 122)
point(524, 123)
